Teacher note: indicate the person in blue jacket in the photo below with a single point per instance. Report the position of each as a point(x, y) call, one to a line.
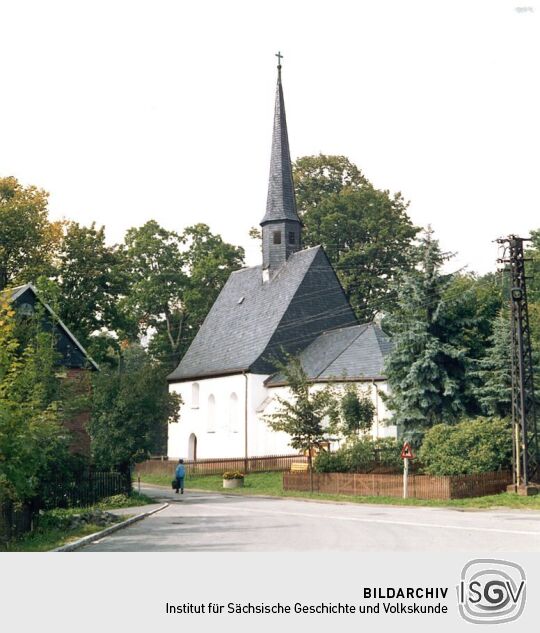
point(180, 474)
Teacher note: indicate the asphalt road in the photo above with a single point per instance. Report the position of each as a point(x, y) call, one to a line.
point(211, 522)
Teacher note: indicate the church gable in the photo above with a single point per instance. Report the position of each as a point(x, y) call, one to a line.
point(243, 319)
point(318, 305)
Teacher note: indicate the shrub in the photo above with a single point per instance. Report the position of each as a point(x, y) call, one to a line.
point(326, 462)
point(360, 455)
point(233, 475)
point(388, 451)
point(472, 446)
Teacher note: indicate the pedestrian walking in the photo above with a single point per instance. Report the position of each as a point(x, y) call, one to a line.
point(180, 474)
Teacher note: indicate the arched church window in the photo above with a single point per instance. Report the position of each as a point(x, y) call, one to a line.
point(233, 413)
point(195, 395)
point(211, 419)
point(276, 237)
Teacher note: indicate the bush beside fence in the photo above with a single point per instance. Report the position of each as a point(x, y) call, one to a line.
point(15, 519)
point(84, 490)
point(266, 463)
point(420, 486)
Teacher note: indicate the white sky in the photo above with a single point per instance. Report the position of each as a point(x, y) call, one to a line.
point(131, 110)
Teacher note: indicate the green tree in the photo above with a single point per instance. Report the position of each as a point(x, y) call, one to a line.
point(365, 232)
point(91, 281)
point(533, 290)
point(33, 442)
point(472, 446)
point(28, 240)
point(494, 373)
point(174, 281)
point(480, 300)
point(131, 409)
point(357, 412)
point(307, 416)
point(427, 366)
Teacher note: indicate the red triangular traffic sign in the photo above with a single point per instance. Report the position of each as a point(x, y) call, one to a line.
point(406, 451)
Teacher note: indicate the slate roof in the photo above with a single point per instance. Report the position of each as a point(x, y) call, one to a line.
point(72, 351)
point(355, 352)
point(281, 202)
point(252, 321)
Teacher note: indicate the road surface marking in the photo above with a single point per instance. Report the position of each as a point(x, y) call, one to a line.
point(389, 522)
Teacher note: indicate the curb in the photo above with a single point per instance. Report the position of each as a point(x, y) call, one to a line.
point(85, 540)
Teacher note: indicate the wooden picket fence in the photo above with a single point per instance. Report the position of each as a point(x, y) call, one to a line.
point(266, 463)
point(380, 485)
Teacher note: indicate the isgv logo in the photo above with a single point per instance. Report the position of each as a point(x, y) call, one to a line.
point(491, 591)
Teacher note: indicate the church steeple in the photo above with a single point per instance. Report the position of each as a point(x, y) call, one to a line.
point(281, 226)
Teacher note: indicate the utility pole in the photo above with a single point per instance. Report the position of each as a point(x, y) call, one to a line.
point(524, 428)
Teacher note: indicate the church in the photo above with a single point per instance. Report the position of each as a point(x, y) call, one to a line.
point(291, 304)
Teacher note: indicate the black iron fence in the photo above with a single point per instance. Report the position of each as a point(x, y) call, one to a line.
point(15, 519)
point(79, 490)
point(84, 489)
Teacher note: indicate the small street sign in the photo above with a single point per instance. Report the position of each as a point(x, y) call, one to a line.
point(406, 451)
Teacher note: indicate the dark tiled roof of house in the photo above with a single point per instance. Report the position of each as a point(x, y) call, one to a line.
point(253, 322)
point(73, 353)
point(355, 352)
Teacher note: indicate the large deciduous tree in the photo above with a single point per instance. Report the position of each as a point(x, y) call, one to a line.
point(365, 231)
point(175, 278)
point(91, 281)
point(131, 410)
point(28, 240)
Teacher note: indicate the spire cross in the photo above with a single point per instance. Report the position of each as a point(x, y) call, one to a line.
point(279, 56)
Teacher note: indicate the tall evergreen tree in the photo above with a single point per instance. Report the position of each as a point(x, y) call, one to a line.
point(426, 369)
point(494, 373)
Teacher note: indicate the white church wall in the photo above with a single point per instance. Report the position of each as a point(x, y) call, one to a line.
point(212, 418)
point(261, 439)
point(382, 426)
point(213, 413)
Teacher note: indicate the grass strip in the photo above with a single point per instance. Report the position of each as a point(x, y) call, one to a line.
point(51, 531)
point(272, 484)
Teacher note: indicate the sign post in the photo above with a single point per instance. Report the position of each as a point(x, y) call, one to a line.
point(406, 454)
